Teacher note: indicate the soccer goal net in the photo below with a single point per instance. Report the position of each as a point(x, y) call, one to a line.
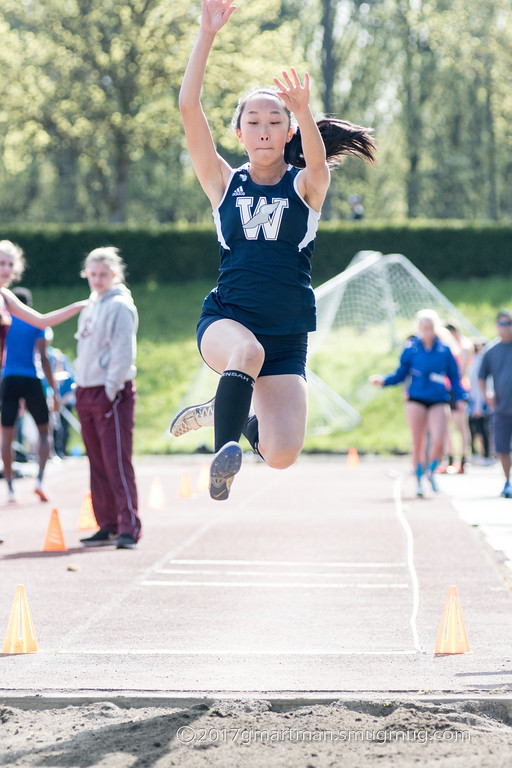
point(364, 316)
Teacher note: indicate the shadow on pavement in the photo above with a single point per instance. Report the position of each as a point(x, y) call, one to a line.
point(63, 553)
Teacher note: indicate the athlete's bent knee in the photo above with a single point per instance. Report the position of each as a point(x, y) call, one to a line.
point(247, 356)
point(281, 459)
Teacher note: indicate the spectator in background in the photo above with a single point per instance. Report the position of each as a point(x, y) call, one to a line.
point(463, 350)
point(497, 363)
point(356, 207)
point(429, 363)
point(479, 411)
point(12, 264)
point(21, 382)
point(64, 377)
point(105, 398)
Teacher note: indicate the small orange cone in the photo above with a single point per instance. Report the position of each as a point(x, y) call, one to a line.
point(87, 521)
point(156, 498)
point(54, 540)
point(353, 458)
point(185, 491)
point(452, 637)
point(203, 482)
point(20, 636)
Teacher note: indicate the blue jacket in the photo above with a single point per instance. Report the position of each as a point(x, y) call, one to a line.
point(428, 371)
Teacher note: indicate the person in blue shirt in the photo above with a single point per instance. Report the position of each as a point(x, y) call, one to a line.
point(428, 365)
point(254, 325)
point(20, 381)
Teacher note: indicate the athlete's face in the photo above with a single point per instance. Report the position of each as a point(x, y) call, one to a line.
point(264, 129)
point(100, 277)
point(427, 331)
point(6, 268)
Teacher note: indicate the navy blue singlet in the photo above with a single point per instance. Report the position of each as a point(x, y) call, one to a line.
point(266, 236)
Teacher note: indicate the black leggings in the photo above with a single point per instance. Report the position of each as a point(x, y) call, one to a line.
point(479, 425)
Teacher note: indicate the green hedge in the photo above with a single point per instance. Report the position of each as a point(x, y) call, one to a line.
point(168, 253)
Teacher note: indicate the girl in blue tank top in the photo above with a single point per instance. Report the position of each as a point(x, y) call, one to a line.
point(254, 324)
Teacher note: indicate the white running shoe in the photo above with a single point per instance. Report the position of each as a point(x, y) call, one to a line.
point(11, 496)
point(193, 417)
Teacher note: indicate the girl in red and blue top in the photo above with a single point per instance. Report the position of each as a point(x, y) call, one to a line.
point(427, 363)
point(254, 325)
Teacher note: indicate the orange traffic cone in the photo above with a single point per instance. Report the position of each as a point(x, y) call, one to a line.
point(87, 521)
point(185, 491)
point(452, 637)
point(156, 498)
point(54, 539)
point(20, 636)
point(203, 482)
point(353, 458)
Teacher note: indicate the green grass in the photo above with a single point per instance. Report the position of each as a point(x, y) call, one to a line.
point(168, 363)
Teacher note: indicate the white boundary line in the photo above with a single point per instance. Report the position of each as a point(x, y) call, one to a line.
point(397, 495)
point(79, 630)
point(267, 574)
point(208, 652)
point(273, 584)
point(290, 563)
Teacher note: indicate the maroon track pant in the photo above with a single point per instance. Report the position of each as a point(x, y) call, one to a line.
point(107, 431)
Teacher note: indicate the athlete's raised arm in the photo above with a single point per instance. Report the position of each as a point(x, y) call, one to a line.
point(212, 170)
point(314, 180)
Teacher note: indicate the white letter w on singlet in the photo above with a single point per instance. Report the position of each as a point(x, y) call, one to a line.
point(266, 215)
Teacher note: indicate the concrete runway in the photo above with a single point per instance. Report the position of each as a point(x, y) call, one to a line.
point(322, 580)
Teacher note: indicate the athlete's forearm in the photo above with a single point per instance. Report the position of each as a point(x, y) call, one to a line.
point(313, 146)
point(190, 91)
point(60, 315)
point(47, 370)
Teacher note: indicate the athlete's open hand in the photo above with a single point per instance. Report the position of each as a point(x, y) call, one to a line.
point(215, 14)
point(292, 92)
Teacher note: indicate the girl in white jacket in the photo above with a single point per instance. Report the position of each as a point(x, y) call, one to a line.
point(105, 398)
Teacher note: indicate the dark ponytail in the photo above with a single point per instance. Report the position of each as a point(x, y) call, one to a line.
point(340, 139)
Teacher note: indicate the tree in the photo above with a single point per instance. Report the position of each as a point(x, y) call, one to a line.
point(90, 130)
point(96, 94)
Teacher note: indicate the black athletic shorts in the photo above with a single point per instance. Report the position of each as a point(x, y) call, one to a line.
point(283, 354)
point(15, 388)
point(426, 403)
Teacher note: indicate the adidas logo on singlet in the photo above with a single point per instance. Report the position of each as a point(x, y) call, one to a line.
point(238, 191)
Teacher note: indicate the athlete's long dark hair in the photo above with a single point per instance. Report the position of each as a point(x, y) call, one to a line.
point(340, 137)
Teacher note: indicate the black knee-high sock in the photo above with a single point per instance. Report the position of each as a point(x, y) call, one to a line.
point(251, 432)
point(232, 403)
